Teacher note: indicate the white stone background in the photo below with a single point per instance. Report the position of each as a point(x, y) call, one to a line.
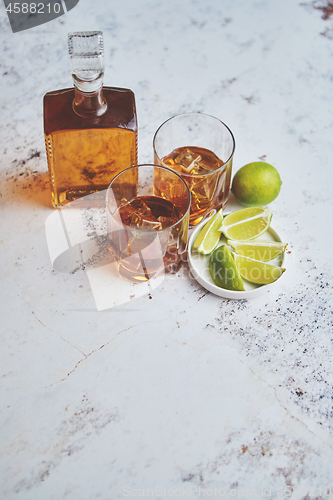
point(178, 389)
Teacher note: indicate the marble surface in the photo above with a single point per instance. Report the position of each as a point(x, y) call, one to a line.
point(174, 392)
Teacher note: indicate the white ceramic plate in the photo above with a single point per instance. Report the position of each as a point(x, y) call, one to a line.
point(198, 265)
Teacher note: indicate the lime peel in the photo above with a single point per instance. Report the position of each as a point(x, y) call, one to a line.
point(223, 270)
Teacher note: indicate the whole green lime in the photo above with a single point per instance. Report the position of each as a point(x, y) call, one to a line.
point(256, 184)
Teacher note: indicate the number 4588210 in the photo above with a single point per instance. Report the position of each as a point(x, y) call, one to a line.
point(33, 8)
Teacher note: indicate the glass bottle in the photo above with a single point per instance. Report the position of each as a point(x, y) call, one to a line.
point(90, 130)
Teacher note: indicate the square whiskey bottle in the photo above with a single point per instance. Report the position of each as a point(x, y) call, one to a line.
point(90, 130)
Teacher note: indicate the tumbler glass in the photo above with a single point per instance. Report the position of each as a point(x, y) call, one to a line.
point(147, 209)
point(200, 148)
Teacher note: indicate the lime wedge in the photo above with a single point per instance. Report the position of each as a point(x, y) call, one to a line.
point(256, 271)
point(223, 270)
point(246, 224)
point(209, 235)
point(258, 250)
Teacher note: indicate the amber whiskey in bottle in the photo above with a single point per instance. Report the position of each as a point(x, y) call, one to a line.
point(90, 130)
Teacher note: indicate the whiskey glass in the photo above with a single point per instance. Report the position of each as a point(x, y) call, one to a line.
point(147, 210)
point(200, 148)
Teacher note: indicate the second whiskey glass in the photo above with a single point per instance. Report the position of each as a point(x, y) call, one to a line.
point(200, 148)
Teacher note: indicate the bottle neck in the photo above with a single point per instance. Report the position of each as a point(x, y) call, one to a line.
point(89, 105)
point(88, 100)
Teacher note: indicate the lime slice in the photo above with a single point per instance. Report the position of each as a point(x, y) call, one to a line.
point(246, 224)
point(223, 270)
point(209, 235)
point(258, 250)
point(256, 271)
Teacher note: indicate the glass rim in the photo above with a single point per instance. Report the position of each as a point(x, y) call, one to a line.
point(185, 174)
point(163, 167)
